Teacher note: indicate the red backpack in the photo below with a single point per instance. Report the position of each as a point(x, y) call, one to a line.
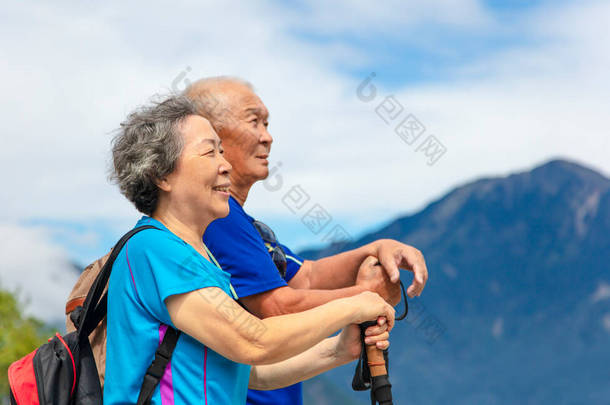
point(63, 371)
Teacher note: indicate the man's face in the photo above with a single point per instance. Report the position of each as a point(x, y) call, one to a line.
point(245, 138)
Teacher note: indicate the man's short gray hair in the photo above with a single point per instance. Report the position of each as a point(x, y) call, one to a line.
point(146, 149)
point(211, 102)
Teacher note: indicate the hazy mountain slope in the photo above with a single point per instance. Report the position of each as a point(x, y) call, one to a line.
point(519, 291)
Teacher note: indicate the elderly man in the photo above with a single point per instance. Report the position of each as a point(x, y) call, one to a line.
point(268, 277)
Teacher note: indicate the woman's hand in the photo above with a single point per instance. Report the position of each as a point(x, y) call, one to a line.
point(349, 344)
point(369, 306)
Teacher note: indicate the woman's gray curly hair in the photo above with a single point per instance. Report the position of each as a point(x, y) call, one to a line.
point(146, 149)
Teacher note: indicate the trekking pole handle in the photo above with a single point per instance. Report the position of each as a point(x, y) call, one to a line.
point(381, 389)
point(376, 361)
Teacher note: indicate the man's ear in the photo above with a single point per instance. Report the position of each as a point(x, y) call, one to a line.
point(163, 185)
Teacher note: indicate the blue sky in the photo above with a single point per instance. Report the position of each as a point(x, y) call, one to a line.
point(426, 52)
point(502, 85)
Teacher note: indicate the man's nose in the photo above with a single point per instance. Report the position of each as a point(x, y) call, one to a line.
point(266, 137)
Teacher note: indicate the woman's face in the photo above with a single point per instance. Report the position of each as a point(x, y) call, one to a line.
point(199, 184)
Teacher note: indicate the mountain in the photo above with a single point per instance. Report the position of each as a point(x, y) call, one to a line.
point(517, 306)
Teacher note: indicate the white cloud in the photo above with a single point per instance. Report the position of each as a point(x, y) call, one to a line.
point(38, 269)
point(528, 104)
point(72, 72)
point(363, 18)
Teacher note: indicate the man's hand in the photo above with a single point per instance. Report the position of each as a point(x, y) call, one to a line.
point(393, 254)
point(373, 278)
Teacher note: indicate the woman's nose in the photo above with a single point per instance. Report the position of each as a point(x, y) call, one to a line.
point(225, 166)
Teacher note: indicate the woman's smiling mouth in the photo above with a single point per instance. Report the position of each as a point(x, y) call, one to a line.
point(222, 188)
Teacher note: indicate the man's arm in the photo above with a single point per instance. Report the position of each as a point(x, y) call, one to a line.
point(329, 273)
point(340, 271)
point(286, 300)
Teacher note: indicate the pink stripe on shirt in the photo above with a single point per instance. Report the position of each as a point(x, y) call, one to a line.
point(167, 386)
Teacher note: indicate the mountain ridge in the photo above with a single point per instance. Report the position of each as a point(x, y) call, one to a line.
point(461, 191)
point(515, 264)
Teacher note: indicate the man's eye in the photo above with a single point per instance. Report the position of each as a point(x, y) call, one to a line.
point(210, 152)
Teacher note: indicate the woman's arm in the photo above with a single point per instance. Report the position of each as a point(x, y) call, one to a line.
point(330, 353)
point(216, 320)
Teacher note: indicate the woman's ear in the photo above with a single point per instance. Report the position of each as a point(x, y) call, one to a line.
point(163, 184)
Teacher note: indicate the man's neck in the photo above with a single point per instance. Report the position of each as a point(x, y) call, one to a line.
point(239, 191)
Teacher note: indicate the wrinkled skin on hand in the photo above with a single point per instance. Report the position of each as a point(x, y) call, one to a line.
point(394, 255)
point(373, 277)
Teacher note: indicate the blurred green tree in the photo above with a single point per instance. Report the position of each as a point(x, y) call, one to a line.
point(19, 335)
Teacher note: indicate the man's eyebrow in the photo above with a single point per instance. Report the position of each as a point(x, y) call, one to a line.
point(256, 111)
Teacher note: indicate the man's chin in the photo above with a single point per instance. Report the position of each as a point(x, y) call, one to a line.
point(262, 173)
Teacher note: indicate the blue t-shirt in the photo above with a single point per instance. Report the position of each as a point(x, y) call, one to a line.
point(153, 265)
point(241, 251)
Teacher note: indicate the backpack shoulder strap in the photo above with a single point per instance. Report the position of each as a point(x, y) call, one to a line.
point(94, 308)
point(155, 371)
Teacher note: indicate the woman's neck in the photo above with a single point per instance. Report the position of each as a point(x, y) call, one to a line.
point(189, 231)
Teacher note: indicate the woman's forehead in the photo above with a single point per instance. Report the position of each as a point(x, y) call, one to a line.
point(196, 129)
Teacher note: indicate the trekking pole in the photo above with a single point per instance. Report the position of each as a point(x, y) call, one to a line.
point(381, 389)
point(372, 369)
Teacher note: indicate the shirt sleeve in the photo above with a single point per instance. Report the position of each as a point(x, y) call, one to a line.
point(293, 262)
point(162, 265)
point(241, 252)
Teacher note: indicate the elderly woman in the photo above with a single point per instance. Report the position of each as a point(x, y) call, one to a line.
point(169, 162)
